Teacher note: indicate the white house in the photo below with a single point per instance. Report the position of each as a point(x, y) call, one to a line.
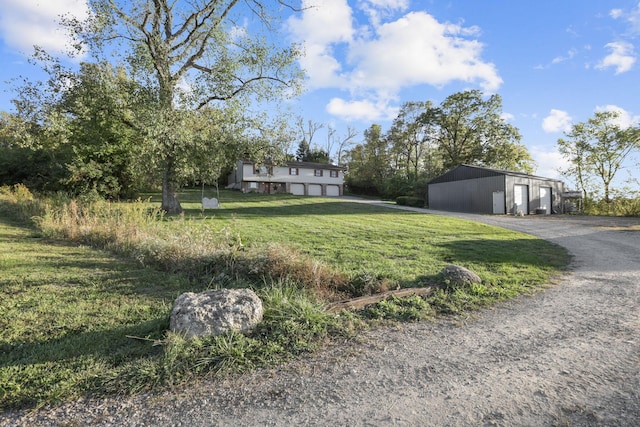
point(299, 178)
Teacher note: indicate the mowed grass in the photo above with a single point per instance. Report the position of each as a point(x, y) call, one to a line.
point(66, 313)
point(75, 320)
point(405, 247)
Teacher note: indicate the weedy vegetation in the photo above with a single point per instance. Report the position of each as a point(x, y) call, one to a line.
point(86, 287)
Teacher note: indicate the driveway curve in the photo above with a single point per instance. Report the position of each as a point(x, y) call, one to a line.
point(567, 356)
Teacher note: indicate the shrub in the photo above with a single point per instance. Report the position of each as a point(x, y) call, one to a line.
point(620, 206)
point(18, 202)
point(410, 201)
point(412, 308)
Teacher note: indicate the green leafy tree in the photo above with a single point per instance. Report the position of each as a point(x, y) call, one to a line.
point(303, 151)
point(190, 55)
point(597, 149)
point(20, 162)
point(472, 131)
point(106, 154)
point(408, 138)
point(317, 155)
point(369, 163)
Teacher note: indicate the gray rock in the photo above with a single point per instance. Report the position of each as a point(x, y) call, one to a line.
point(216, 312)
point(454, 275)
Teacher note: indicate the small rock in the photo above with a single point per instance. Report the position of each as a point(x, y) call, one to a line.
point(216, 312)
point(455, 275)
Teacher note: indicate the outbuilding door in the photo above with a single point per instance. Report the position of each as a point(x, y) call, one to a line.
point(521, 198)
point(498, 202)
point(545, 199)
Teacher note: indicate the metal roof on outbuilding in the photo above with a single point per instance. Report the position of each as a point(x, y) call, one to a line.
point(463, 172)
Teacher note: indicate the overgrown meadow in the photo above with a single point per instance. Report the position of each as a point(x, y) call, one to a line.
point(87, 286)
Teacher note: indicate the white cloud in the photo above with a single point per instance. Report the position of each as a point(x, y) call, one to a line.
point(377, 10)
point(549, 161)
point(366, 110)
point(616, 13)
point(507, 117)
point(323, 25)
point(375, 60)
point(570, 54)
point(625, 119)
point(389, 4)
point(417, 49)
point(25, 23)
point(557, 121)
point(632, 17)
point(622, 57)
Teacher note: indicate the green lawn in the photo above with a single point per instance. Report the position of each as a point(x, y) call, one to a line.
point(405, 247)
point(76, 320)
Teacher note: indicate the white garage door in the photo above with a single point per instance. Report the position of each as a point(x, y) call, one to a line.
point(333, 190)
point(521, 198)
point(545, 199)
point(315, 190)
point(297, 189)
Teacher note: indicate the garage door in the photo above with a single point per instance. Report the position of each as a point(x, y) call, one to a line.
point(545, 199)
point(333, 190)
point(521, 198)
point(297, 189)
point(315, 190)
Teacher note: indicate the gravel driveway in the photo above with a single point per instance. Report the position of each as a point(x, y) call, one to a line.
point(567, 356)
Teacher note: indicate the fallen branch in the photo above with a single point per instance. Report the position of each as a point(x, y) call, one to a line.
point(361, 302)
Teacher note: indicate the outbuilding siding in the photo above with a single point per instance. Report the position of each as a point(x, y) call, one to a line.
point(468, 195)
point(471, 189)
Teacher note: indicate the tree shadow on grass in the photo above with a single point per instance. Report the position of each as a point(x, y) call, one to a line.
point(113, 346)
point(307, 209)
point(531, 252)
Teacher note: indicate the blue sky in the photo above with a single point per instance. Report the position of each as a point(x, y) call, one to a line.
point(553, 62)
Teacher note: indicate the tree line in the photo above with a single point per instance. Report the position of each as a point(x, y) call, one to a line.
point(426, 140)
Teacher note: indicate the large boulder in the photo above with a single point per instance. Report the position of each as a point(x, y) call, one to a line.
point(455, 275)
point(216, 312)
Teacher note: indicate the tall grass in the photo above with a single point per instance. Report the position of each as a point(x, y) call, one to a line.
point(619, 206)
point(203, 250)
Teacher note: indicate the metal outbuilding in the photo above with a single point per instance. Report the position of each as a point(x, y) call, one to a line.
point(476, 189)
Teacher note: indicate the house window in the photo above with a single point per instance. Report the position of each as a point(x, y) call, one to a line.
point(263, 170)
point(293, 171)
point(317, 172)
point(333, 174)
point(253, 185)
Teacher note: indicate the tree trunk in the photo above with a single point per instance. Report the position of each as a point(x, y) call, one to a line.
point(170, 202)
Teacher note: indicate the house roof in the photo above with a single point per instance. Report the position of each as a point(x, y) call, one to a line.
point(307, 165)
point(463, 172)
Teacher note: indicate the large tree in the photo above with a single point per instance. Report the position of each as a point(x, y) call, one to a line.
point(369, 164)
point(106, 156)
point(598, 149)
point(473, 131)
point(191, 56)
